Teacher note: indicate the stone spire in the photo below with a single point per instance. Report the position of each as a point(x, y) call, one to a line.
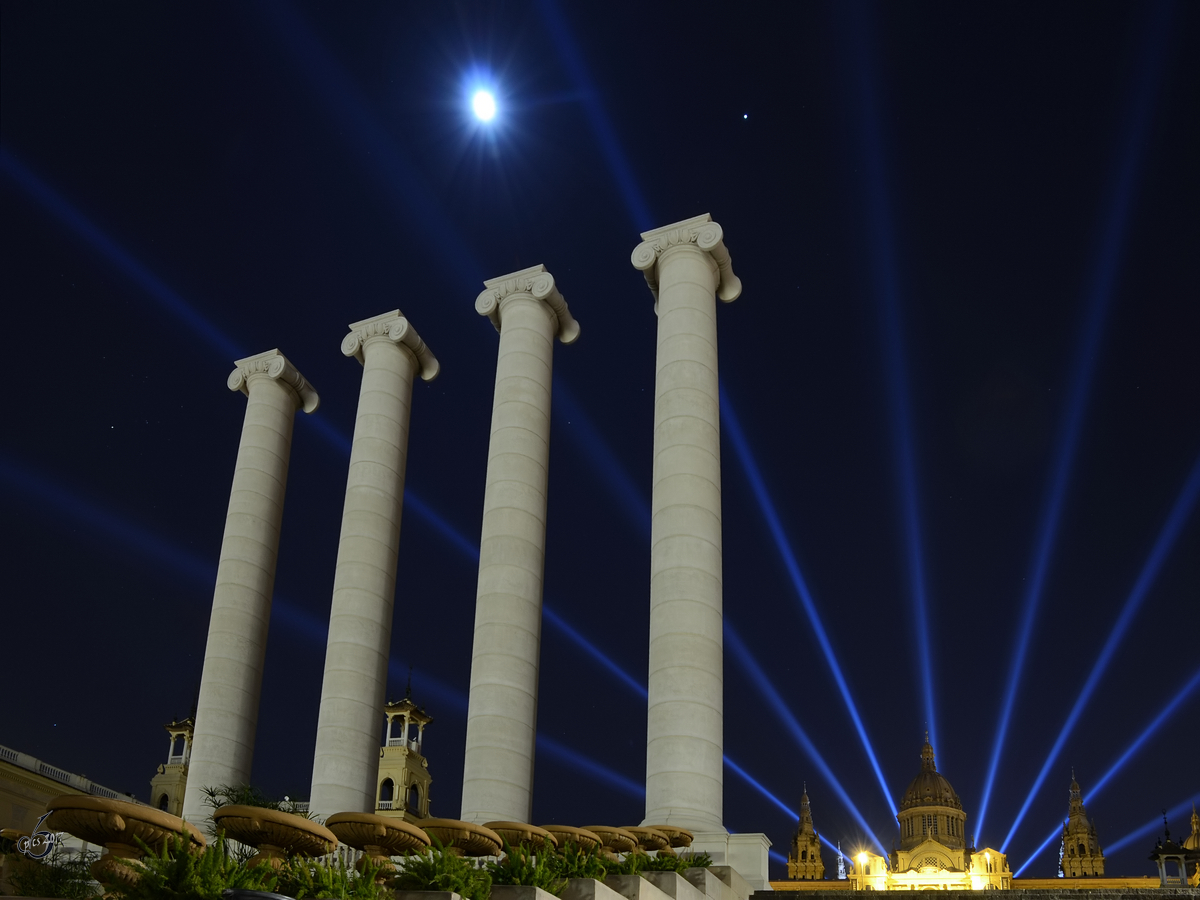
point(1081, 852)
point(927, 760)
point(804, 859)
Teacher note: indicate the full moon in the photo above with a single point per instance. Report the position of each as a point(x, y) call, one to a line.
point(484, 105)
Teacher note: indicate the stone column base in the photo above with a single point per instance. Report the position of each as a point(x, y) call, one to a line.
point(740, 860)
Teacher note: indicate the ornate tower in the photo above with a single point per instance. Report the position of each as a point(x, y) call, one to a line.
point(804, 859)
point(931, 811)
point(402, 790)
point(1081, 853)
point(167, 787)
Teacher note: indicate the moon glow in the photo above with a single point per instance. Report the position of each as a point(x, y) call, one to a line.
point(484, 105)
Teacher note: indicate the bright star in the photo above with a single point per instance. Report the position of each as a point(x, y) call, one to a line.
point(484, 105)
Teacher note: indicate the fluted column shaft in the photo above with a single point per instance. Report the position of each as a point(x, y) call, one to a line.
point(685, 719)
point(231, 680)
point(346, 759)
point(528, 312)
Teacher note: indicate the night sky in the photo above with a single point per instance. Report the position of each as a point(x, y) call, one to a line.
point(961, 418)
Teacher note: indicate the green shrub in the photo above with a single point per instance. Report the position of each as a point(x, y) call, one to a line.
point(574, 862)
point(437, 869)
point(177, 873)
point(636, 863)
point(520, 865)
point(62, 874)
point(248, 795)
point(306, 878)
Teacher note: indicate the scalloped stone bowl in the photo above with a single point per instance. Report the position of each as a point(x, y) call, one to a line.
point(613, 839)
point(567, 834)
point(519, 834)
point(275, 834)
point(463, 838)
point(679, 837)
point(378, 837)
point(649, 839)
point(117, 825)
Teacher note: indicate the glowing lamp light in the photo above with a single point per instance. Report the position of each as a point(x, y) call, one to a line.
point(484, 106)
point(862, 858)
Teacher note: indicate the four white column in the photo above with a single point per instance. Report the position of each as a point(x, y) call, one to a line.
point(227, 708)
point(346, 760)
point(529, 312)
point(685, 265)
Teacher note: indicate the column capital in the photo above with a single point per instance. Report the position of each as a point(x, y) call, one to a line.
point(537, 283)
point(392, 326)
point(702, 231)
point(275, 365)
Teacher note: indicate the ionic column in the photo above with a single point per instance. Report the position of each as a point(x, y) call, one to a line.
point(346, 760)
point(227, 708)
point(685, 264)
point(529, 313)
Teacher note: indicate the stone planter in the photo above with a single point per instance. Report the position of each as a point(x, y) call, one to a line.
point(679, 837)
point(565, 834)
point(649, 839)
point(614, 840)
point(378, 837)
point(518, 834)
point(276, 835)
point(463, 838)
point(117, 826)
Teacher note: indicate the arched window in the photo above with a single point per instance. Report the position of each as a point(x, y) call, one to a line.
point(414, 799)
point(162, 802)
point(386, 791)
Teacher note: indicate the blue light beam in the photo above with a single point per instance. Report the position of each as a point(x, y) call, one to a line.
point(629, 496)
point(1178, 517)
point(593, 651)
point(742, 654)
point(887, 291)
point(121, 259)
point(300, 620)
point(738, 438)
point(564, 754)
point(1138, 834)
point(195, 322)
point(1099, 295)
point(792, 814)
point(412, 201)
point(1148, 732)
point(571, 57)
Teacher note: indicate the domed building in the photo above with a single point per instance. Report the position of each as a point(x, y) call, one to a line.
point(933, 852)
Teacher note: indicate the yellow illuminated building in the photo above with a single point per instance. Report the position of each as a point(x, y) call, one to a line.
point(804, 858)
point(1081, 855)
point(403, 782)
point(935, 855)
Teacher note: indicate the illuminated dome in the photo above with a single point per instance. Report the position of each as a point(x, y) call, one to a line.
point(929, 788)
point(1193, 840)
